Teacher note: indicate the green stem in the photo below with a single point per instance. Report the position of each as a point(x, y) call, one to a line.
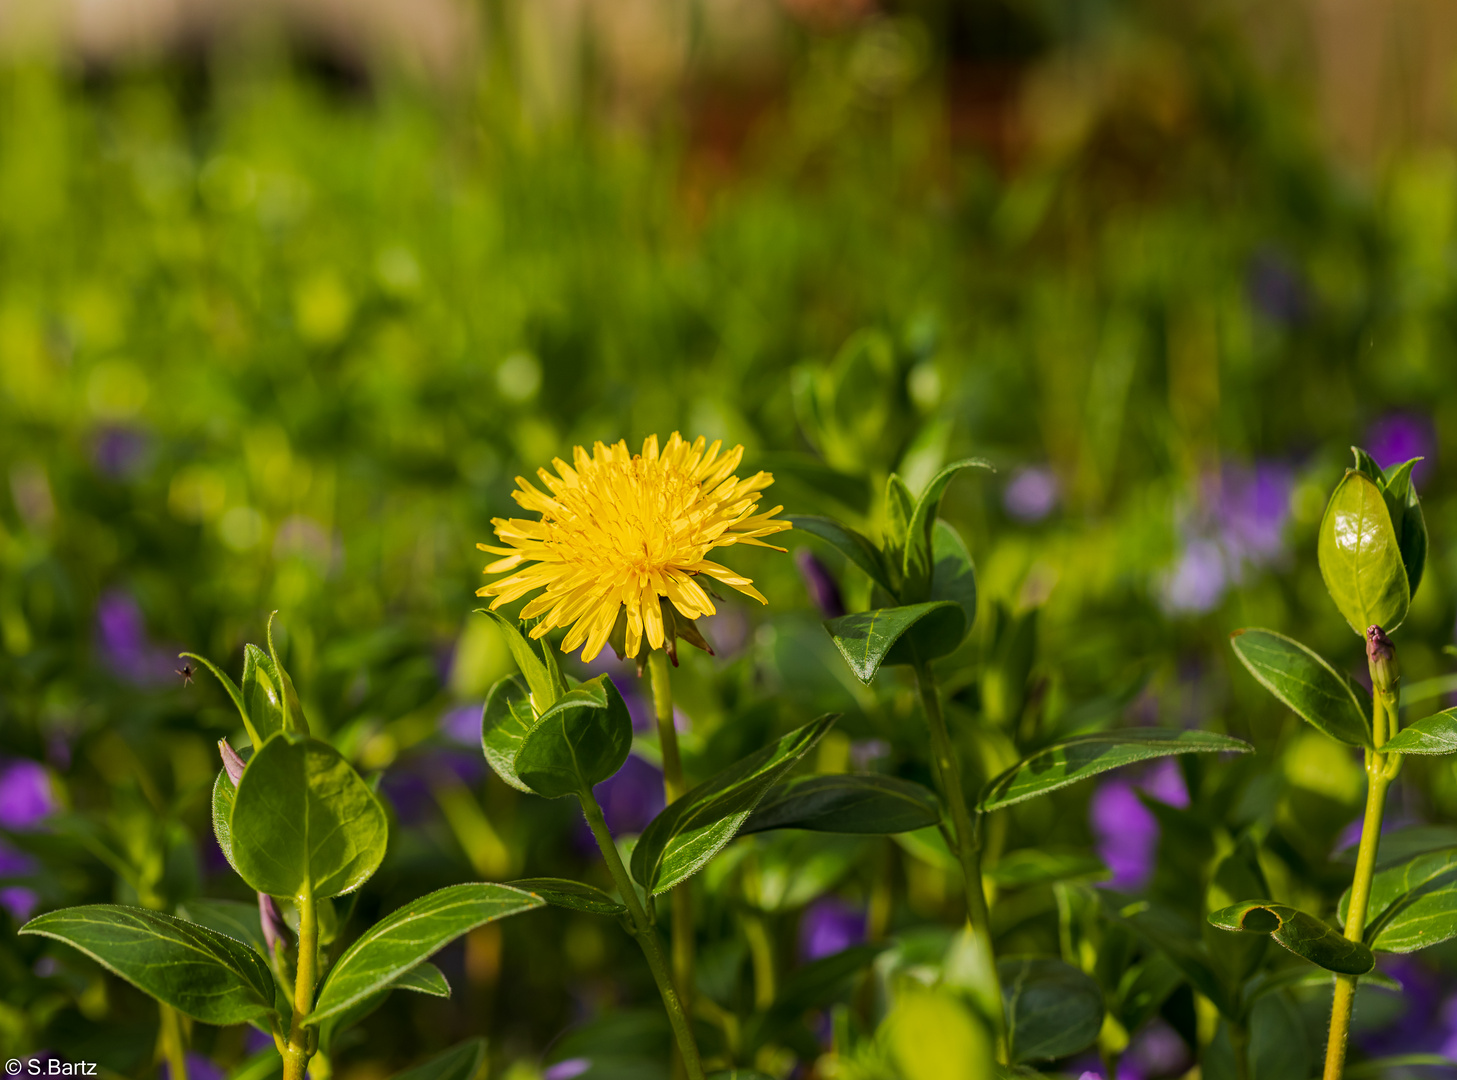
point(673, 788)
point(297, 1052)
point(646, 936)
point(966, 836)
point(761, 956)
point(174, 1050)
point(1239, 1041)
point(1381, 769)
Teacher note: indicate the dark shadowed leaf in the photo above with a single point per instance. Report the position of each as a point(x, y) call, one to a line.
point(846, 803)
point(866, 638)
point(1083, 756)
point(1035, 866)
point(199, 972)
point(849, 543)
point(560, 892)
point(580, 741)
point(303, 820)
point(412, 933)
point(919, 556)
point(1052, 1008)
point(1405, 509)
point(1301, 933)
point(1413, 904)
point(1360, 557)
point(1305, 683)
point(1380, 1068)
point(816, 985)
point(234, 918)
point(1181, 941)
point(505, 722)
point(1435, 734)
point(458, 1063)
point(690, 831)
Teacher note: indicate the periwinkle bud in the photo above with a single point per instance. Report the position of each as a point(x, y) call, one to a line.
point(1381, 658)
point(232, 763)
point(275, 930)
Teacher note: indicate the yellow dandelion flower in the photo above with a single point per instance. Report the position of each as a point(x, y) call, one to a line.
point(620, 533)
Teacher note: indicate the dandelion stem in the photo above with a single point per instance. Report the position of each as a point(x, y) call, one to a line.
point(673, 788)
point(965, 835)
point(647, 937)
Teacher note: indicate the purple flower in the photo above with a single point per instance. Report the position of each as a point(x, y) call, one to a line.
point(1197, 582)
point(1125, 832)
point(828, 926)
point(122, 634)
point(1031, 494)
point(820, 583)
point(632, 797)
point(198, 1068)
point(120, 452)
point(1253, 508)
point(568, 1069)
point(1156, 1050)
point(255, 1040)
point(1399, 437)
point(19, 901)
point(26, 796)
point(1276, 290)
point(462, 724)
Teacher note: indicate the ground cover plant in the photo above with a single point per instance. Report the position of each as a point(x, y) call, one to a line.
point(1052, 333)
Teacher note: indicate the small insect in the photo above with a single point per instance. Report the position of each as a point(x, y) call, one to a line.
point(186, 672)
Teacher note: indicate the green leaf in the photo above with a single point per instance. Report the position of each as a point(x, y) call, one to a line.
point(1365, 463)
point(233, 692)
point(900, 506)
point(224, 794)
point(234, 918)
point(293, 713)
point(304, 821)
point(1305, 683)
point(424, 978)
point(1036, 866)
point(559, 892)
point(577, 743)
point(1083, 756)
point(918, 554)
point(545, 682)
point(953, 577)
point(1405, 509)
point(263, 693)
point(846, 803)
point(1360, 557)
point(816, 985)
point(199, 972)
point(849, 543)
point(1181, 943)
point(866, 639)
point(693, 828)
point(505, 723)
point(411, 934)
point(1380, 1068)
point(1052, 1008)
point(1301, 933)
point(1435, 734)
point(458, 1063)
point(1412, 905)
point(933, 1035)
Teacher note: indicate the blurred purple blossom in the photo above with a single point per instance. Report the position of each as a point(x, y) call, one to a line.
point(1157, 1050)
point(275, 931)
point(255, 1040)
point(632, 797)
point(120, 452)
point(1420, 1026)
point(1125, 832)
point(820, 583)
point(1276, 289)
point(1031, 494)
point(1197, 582)
point(462, 724)
point(865, 752)
point(26, 795)
point(568, 1069)
point(19, 901)
point(829, 925)
point(1399, 437)
point(122, 634)
point(198, 1068)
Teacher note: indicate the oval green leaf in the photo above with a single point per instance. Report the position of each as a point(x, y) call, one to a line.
point(1413, 905)
point(224, 794)
point(1360, 556)
point(458, 1063)
point(199, 972)
point(849, 543)
point(1301, 933)
point(424, 978)
point(1435, 734)
point(1052, 1008)
point(559, 892)
point(262, 693)
point(1305, 683)
point(505, 722)
point(304, 821)
point(846, 803)
point(919, 555)
point(577, 743)
point(866, 639)
point(692, 829)
point(410, 935)
point(1083, 756)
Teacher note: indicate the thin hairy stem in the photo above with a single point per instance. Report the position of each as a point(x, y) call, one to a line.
point(673, 788)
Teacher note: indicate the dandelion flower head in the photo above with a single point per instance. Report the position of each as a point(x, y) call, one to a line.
point(619, 533)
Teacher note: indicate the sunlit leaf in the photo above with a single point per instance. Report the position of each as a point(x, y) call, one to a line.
point(1413, 905)
point(1435, 734)
point(580, 741)
point(1305, 683)
point(1360, 557)
point(1301, 933)
point(560, 892)
point(866, 638)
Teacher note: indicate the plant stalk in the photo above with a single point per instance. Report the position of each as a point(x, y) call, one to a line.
point(1381, 769)
point(1239, 1041)
point(965, 834)
point(673, 788)
point(174, 1049)
point(306, 971)
point(647, 938)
